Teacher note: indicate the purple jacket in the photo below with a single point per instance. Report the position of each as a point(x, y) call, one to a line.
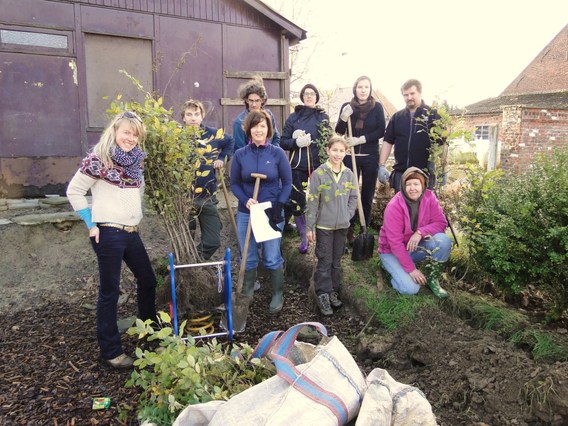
point(396, 229)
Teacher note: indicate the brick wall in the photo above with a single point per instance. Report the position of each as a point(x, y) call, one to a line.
point(527, 132)
point(523, 133)
point(541, 130)
point(510, 137)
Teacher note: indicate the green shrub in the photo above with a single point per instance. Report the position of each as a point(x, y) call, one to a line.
point(517, 227)
point(181, 372)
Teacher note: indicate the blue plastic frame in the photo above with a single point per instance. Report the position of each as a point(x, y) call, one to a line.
point(227, 291)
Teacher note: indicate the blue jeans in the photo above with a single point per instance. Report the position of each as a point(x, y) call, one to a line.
point(271, 255)
point(437, 248)
point(116, 245)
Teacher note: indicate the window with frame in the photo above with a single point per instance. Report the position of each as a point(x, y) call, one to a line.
point(482, 132)
point(33, 40)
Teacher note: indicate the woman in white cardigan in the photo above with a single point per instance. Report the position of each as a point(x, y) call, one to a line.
point(113, 173)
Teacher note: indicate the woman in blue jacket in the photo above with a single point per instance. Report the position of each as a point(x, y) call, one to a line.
point(302, 135)
point(260, 156)
point(368, 122)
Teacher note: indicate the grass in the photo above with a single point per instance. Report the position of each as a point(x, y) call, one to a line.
point(389, 308)
point(543, 345)
point(392, 310)
point(492, 315)
point(537, 394)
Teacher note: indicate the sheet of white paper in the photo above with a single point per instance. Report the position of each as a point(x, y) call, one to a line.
point(260, 227)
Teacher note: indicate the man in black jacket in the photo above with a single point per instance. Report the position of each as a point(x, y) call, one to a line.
point(409, 132)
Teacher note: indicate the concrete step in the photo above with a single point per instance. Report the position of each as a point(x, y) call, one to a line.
point(40, 218)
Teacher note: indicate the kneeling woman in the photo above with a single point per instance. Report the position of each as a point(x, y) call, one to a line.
point(413, 231)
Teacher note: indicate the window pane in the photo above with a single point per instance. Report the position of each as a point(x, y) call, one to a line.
point(482, 132)
point(33, 39)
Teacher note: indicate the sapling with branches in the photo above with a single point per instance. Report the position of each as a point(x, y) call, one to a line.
point(175, 154)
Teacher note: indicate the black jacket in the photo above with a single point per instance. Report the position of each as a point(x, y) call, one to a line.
point(411, 137)
point(309, 120)
point(373, 129)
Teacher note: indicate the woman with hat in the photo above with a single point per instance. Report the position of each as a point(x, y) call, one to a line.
point(413, 231)
point(368, 124)
point(302, 131)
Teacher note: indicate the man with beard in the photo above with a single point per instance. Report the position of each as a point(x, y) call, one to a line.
point(409, 132)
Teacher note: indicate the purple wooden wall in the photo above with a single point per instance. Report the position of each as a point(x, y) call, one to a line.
point(43, 132)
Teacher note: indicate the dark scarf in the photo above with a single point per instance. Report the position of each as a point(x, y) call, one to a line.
point(129, 161)
point(362, 110)
point(413, 207)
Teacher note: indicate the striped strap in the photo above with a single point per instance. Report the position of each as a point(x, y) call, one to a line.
point(303, 384)
point(265, 344)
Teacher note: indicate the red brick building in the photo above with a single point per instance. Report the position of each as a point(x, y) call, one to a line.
point(531, 114)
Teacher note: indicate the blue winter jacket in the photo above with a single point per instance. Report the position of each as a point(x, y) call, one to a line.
point(306, 119)
point(239, 133)
point(222, 149)
point(268, 160)
point(410, 137)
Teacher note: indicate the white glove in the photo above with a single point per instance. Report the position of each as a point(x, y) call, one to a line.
point(297, 133)
point(346, 112)
point(354, 140)
point(304, 140)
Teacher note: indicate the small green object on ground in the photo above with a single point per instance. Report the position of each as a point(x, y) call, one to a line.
point(101, 403)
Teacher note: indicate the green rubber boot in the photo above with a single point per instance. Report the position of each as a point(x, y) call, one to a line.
point(436, 269)
point(248, 282)
point(277, 281)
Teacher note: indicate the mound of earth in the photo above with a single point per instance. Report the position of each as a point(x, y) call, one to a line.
point(51, 373)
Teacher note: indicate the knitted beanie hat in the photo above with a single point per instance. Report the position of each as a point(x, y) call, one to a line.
point(414, 173)
point(310, 86)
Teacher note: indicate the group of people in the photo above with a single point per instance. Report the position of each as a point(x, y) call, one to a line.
point(319, 191)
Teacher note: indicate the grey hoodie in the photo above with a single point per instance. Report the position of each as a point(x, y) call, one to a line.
point(331, 202)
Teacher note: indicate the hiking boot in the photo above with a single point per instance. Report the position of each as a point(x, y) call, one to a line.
point(121, 362)
point(324, 304)
point(334, 300)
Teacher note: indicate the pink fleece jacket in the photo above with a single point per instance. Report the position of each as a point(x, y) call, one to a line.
point(396, 230)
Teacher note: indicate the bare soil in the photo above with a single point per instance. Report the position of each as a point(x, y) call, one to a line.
point(50, 371)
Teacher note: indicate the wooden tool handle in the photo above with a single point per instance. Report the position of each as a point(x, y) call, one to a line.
point(258, 177)
point(221, 176)
point(354, 162)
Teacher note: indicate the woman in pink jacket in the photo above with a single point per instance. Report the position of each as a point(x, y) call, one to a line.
point(413, 231)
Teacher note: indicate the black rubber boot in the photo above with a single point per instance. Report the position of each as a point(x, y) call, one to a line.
point(277, 281)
